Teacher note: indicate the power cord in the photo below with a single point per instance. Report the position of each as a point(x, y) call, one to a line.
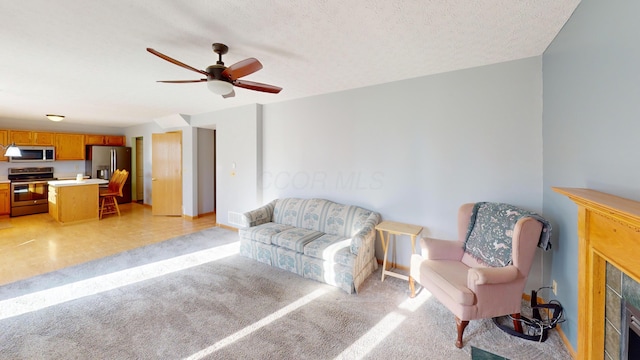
point(537, 327)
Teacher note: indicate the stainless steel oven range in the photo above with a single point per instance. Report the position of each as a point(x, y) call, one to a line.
point(29, 187)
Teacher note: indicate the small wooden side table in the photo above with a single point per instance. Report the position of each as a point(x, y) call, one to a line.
point(389, 228)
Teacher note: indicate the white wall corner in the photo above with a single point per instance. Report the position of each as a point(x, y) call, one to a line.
point(173, 121)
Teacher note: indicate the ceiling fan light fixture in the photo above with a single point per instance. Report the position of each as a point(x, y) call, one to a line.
point(54, 117)
point(219, 87)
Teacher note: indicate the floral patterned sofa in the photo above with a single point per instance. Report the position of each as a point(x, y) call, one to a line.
point(314, 238)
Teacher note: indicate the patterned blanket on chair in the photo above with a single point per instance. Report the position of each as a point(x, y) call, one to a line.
point(490, 232)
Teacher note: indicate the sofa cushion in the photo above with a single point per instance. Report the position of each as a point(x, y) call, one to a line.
point(331, 248)
point(295, 238)
point(262, 233)
point(289, 211)
point(320, 215)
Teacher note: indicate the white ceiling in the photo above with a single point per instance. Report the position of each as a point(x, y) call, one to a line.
point(87, 59)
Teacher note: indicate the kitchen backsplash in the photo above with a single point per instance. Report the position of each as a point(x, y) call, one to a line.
point(61, 169)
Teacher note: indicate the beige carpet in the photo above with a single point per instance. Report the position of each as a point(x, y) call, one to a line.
point(193, 297)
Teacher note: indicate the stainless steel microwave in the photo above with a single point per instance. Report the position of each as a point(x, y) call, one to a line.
point(35, 154)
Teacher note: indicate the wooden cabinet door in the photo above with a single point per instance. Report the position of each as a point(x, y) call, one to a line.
point(114, 140)
point(94, 139)
point(43, 138)
point(4, 140)
point(20, 137)
point(5, 199)
point(69, 147)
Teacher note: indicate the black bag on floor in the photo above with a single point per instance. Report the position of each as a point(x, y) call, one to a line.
point(537, 329)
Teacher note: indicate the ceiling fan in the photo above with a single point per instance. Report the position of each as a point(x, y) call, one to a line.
point(221, 79)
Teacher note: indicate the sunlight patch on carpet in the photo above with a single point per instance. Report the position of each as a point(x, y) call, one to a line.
point(42, 299)
point(363, 346)
point(257, 325)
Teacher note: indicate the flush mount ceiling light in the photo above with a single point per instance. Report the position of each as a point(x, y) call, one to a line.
point(53, 117)
point(12, 150)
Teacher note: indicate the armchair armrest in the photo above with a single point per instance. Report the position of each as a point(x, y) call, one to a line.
point(491, 275)
point(259, 216)
point(435, 249)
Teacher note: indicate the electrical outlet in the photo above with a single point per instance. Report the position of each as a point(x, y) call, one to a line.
point(554, 287)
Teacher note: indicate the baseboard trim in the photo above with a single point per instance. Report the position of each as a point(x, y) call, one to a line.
point(227, 227)
point(393, 265)
point(189, 217)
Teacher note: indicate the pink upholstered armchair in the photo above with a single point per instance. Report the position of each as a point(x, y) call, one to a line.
point(474, 283)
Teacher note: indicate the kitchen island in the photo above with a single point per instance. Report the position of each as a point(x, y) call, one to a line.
point(73, 201)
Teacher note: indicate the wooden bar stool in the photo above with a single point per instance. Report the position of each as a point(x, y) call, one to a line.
point(108, 201)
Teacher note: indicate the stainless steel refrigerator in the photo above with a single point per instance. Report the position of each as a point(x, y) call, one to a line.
point(102, 161)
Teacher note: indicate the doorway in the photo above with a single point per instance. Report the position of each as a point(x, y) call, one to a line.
point(206, 200)
point(166, 173)
point(139, 170)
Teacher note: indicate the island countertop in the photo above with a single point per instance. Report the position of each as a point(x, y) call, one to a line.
point(59, 183)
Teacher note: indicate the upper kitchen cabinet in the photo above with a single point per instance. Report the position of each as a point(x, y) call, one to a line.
point(4, 140)
point(113, 140)
point(70, 146)
point(25, 137)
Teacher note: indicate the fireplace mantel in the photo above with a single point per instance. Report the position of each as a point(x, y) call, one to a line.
point(608, 231)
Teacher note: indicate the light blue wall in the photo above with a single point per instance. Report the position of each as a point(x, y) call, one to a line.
point(414, 150)
point(591, 124)
point(238, 158)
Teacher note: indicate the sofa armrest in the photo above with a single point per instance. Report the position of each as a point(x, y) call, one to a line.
point(435, 249)
point(259, 216)
point(491, 275)
point(366, 237)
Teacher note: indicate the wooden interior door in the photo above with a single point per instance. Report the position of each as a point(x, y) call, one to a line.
point(166, 174)
point(140, 170)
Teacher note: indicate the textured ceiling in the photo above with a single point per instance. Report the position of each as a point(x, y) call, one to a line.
point(87, 59)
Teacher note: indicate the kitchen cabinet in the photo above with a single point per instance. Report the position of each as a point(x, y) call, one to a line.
point(69, 146)
point(25, 137)
point(74, 201)
point(94, 139)
point(4, 140)
point(113, 140)
point(5, 199)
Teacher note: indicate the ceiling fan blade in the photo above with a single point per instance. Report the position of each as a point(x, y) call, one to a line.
point(176, 62)
point(181, 81)
point(231, 94)
point(251, 85)
point(242, 68)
